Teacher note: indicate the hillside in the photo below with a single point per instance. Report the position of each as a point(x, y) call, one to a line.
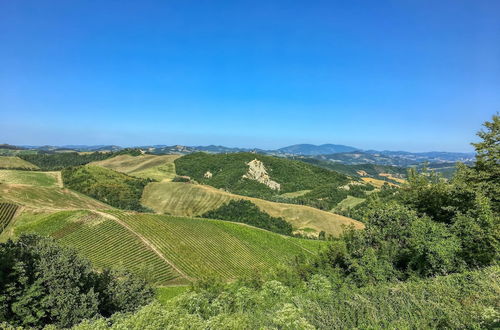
point(111, 187)
point(168, 249)
point(10, 162)
point(256, 175)
point(42, 179)
point(183, 199)
point(53, 198)
point(144, 166)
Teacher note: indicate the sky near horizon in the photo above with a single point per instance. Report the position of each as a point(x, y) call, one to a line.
point(415, 75)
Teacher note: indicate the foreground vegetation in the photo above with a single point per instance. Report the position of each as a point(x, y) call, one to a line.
point(46, 284)
point(458, 301)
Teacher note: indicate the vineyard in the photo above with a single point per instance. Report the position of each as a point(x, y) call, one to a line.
point(7, 212)
point(182, 199)
point(104, 242)
point(166, 249)
point(200, 247)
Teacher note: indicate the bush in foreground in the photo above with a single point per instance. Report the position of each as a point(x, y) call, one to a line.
point(42, 283)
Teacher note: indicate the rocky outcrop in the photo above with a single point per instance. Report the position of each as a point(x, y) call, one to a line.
point(208, 175)
point(257, 172)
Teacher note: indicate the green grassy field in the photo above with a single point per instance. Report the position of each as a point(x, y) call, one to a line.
point(42, 179)
point(164, 249)
point(16, 162)
point(200, 247)
point(145, 166)
point(295, 193)
point(349, 202)
point(183, 199)
point(103, 241)
point(51, 198)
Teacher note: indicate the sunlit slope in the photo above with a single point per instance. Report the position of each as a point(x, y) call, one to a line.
point(16, 163)
point(43, 179)
point(183, 199)
point(166, 249)
point(201, 247)
point(145, 166)
point(54, 198)
point(104, 242)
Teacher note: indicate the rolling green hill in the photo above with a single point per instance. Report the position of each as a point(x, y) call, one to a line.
point(231, 172)
point(111, 187)
point(166, 249)
point(144, 166)
point(35, 178)
point(52, 198)
point(184, 199)
point(9, 162)
point(103, 241)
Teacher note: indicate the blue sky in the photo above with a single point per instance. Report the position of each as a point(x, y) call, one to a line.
point(413, 75)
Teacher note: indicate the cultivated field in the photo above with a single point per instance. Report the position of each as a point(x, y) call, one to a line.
point(183, 199)
point(16, 162)
point(52, 198)
point(42, 179)
point(145, 166)
point(200, 247)
point(104, 242)
point(377, 182)
point(349, 202)
point(7, 212)
point(166, 249)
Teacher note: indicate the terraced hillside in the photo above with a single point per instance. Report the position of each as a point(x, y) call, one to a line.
point(200, 247)
point(42, 179)
point(168, 249)
point(10, 162)
point(7, 212)
point(104, 242)
point(144, 166)
point(184, 199)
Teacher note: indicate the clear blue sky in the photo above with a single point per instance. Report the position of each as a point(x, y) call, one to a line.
point(416, 75)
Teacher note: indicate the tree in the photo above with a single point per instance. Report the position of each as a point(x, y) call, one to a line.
point(42, 283)
point(485, 173)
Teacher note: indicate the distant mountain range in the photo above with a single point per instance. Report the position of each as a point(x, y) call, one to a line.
point(334, 153)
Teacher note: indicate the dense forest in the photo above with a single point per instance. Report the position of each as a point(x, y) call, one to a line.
point(246, 212)
point(114, 188)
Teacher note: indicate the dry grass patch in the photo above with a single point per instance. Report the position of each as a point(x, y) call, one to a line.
point(184, 199)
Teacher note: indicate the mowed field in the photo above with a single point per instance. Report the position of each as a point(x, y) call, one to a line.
point(166, 249)
point(51, 198)
point(35, 178)
point(184, 199)
point(377, 182)
point(145, 166)
point(16, 162)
